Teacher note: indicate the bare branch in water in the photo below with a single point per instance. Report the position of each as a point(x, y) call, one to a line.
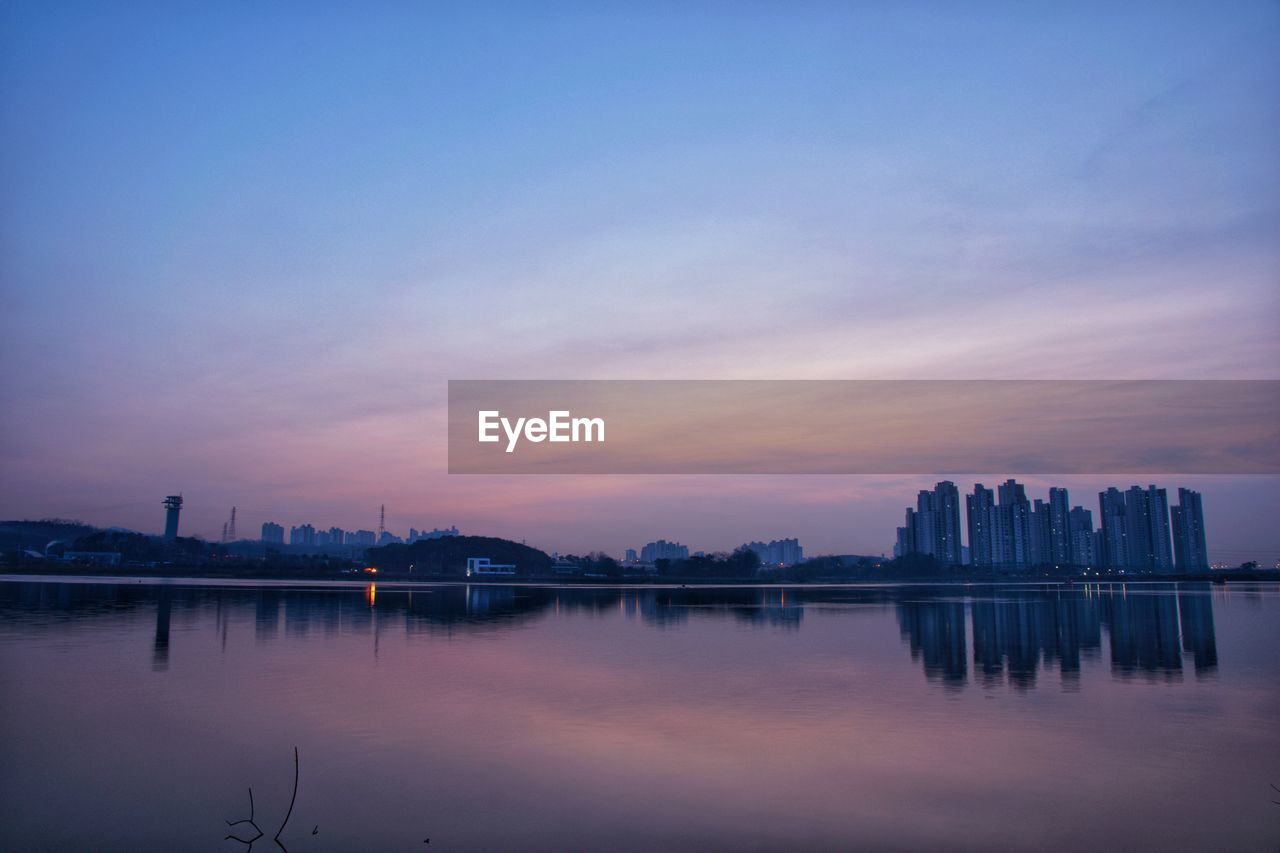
point(249, 820)
point(292, 800)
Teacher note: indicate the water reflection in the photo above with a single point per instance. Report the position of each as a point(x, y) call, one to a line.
point(1016, 632)
point(499, 717)
point(160, 653)
point(1019, 631)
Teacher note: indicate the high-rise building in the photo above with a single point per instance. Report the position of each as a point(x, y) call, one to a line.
point(980, 516)
point(1059, 551)
point(779, 552)
point(272, 533)
point(663, 550)
point(946, 502)
point(304, 534)
point(337, 536)
point(435, 533)
point(1190, 550)
point(1081, 537)
point(925, 519)
point(1161, 541)
point(1114, 553)
point(1014, 525)
point(1147, 530)
point(1041, 547)
point(933, 527)
point(906, 541)
point(362, 538)
point(1137, 530)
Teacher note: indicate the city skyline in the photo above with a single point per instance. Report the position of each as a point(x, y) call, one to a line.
point(977, 529)
point(1139, 531)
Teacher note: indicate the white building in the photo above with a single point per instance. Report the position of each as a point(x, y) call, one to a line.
point(482, 567)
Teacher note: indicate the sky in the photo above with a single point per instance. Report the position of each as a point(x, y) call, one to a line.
point(243, 246)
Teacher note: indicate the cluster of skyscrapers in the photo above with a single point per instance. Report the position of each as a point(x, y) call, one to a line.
point(1007, 532)
point(660, 550)
point(779, 552)
point(307, 535)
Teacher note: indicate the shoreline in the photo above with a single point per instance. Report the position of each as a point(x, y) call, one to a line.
point(194, 577)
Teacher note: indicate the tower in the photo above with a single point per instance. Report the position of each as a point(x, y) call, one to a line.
point(1114, 553)
point(172, 506)
point(1014, 526)
point(231, 526)
point(984, 543)
point(1189, 551)
point(947, 539)
point(1059, 552)
point(382, 521)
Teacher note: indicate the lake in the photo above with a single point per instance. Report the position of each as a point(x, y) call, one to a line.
point(137, 714)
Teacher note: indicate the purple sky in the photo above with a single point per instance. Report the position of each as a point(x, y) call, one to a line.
point(244, 249)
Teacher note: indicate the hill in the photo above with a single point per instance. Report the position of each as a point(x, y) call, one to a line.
point(35, 535)
point(447, 557)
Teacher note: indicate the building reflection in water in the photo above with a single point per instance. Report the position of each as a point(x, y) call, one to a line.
point(160, 649)
point(935, 632)
point(1015, 631)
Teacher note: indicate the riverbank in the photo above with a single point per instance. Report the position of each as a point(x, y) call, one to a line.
point(361, 577)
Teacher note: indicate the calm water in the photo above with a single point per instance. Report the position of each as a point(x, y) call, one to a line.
point(136, 716)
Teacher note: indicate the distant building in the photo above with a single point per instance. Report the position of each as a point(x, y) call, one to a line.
point(906, 543)
point(1146, 524)
point(903, 545)
point(779, 552)
point(1162, 542)
point(1114, 553)
point(632, 558)
point(481, 566)
point(1190, 551)
point(272, 533)
point(337, 536)
point(1014, 523)
point(172, 509)
point(663, 550)
point(362, 538)
point(302, 535)
point(1041, 545)
point(1058, 552)
point(980, 513)
point(438, 533)
point(924, 524)
point(1081, 537)
point(933, 527)
point(946, 500)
